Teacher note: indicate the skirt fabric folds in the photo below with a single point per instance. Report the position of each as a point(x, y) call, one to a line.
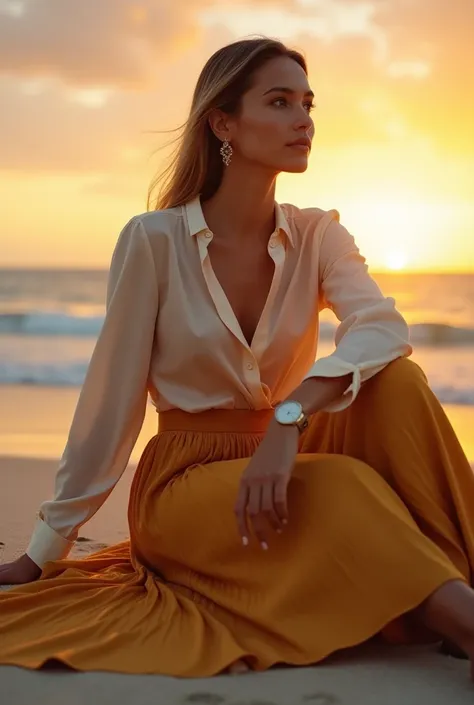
point(380, 515)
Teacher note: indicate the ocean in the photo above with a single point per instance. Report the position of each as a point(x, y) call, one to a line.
point(50, 320)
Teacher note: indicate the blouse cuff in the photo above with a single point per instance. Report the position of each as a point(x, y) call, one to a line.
point(47, 545)
point(333, 366)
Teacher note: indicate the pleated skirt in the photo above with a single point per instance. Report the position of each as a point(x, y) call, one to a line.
point(374, 528)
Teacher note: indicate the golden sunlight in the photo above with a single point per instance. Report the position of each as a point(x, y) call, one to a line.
point(401, 233)
point(396, 260)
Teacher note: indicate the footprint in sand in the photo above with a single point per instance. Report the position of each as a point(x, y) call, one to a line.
point(90, 547)
point(321, 699)
point(204, 699)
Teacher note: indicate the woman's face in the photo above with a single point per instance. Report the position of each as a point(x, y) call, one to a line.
point(274, 114)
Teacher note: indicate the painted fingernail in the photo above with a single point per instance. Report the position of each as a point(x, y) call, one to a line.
point(245, 541)
point(284, 521)
point(264, 546)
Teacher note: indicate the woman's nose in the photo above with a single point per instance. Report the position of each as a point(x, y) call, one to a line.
point(304, 120)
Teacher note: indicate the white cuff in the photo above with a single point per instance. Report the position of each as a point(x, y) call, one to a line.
point(333, 366)
point(47, 545)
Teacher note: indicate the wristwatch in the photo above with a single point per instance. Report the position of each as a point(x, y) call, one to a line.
point(290, 413)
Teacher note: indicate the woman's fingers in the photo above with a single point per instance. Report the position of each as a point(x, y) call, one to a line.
point(241, 512)
point(268, 506)
point(280, 498)
point(257, 518)
point(262, 506)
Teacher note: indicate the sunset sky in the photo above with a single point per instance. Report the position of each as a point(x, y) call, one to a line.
point(84, 84)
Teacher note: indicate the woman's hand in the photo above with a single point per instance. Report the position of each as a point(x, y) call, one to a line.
point(262, 497)
point(21, 571)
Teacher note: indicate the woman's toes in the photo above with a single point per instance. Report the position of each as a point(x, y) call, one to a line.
point(238, 667)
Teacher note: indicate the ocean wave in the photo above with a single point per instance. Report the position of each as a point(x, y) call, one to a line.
point(36, 323)
point(49, 324)
point(57, 374)
point(438, 334)
point(430, 334)
point(453, 395)
point(72, 374)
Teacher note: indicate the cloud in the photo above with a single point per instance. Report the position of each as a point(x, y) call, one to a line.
point(47, 131)
point(436, 36)
point(104, 43)
point(114, 43)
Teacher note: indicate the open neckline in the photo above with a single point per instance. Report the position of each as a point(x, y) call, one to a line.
point(227, 313)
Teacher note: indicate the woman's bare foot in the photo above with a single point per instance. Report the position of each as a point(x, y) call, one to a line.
point(449, 611)
point(237, 667)
point(470, 652)
point(449, 648)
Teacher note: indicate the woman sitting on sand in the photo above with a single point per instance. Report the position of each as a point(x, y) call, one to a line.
point(285, 509)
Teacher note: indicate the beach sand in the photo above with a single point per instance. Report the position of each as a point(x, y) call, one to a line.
point(34, 423)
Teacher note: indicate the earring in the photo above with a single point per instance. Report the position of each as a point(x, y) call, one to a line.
point(226, 151)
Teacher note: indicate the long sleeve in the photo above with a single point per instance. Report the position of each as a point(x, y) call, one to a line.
point(372, 333)
point(112, 403)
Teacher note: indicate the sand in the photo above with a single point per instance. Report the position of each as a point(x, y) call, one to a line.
point(19, 508)
point(411, 676)
point(33, 427)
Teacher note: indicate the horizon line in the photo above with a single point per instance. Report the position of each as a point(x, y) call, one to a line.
point(70, 268)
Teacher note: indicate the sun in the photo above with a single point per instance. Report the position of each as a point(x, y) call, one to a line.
point(396, 260)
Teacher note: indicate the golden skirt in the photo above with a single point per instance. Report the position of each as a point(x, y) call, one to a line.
point(380, 515)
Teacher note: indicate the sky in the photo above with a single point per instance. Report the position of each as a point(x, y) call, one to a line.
point(86, 89)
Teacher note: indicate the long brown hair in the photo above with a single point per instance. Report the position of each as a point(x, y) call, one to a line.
point(196, 166)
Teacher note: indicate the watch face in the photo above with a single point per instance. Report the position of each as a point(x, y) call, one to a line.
point(289, 412)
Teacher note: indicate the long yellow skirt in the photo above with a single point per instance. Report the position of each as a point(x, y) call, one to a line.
point(381, 507)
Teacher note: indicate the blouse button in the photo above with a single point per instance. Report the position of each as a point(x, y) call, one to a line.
point(273, 243)
point(249, 366)
point(208, 234)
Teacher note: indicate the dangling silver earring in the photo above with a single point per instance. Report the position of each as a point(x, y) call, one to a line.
point(226, 151)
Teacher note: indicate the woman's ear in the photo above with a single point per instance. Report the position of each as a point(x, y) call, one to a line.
point(219, 124)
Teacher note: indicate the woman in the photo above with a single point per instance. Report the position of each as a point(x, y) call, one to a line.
point(284, 510)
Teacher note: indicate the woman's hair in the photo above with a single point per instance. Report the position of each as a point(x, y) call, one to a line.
point(196, 166)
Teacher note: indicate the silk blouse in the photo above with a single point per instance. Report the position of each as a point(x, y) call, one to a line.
point(170, 335)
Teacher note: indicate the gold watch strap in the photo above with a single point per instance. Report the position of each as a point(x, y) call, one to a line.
point(302, 423)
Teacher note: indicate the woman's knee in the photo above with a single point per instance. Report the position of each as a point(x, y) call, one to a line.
point(392, 386)
point(401, 372)
point(327, 473)
point(330, 485)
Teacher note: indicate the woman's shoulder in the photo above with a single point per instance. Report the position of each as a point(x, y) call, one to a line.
point(158, 227)
point(160, 222)
point(309, 221)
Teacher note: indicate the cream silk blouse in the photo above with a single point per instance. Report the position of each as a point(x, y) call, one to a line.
point(170, 332)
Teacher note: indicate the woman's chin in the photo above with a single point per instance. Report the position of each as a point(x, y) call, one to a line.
point(296, 166)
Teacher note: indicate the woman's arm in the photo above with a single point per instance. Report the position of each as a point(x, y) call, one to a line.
point(112, 402)
point(371, 333)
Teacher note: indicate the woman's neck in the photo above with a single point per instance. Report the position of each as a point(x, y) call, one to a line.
point(242, 210)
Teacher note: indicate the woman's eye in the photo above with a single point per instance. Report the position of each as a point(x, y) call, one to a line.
point(309, 106)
